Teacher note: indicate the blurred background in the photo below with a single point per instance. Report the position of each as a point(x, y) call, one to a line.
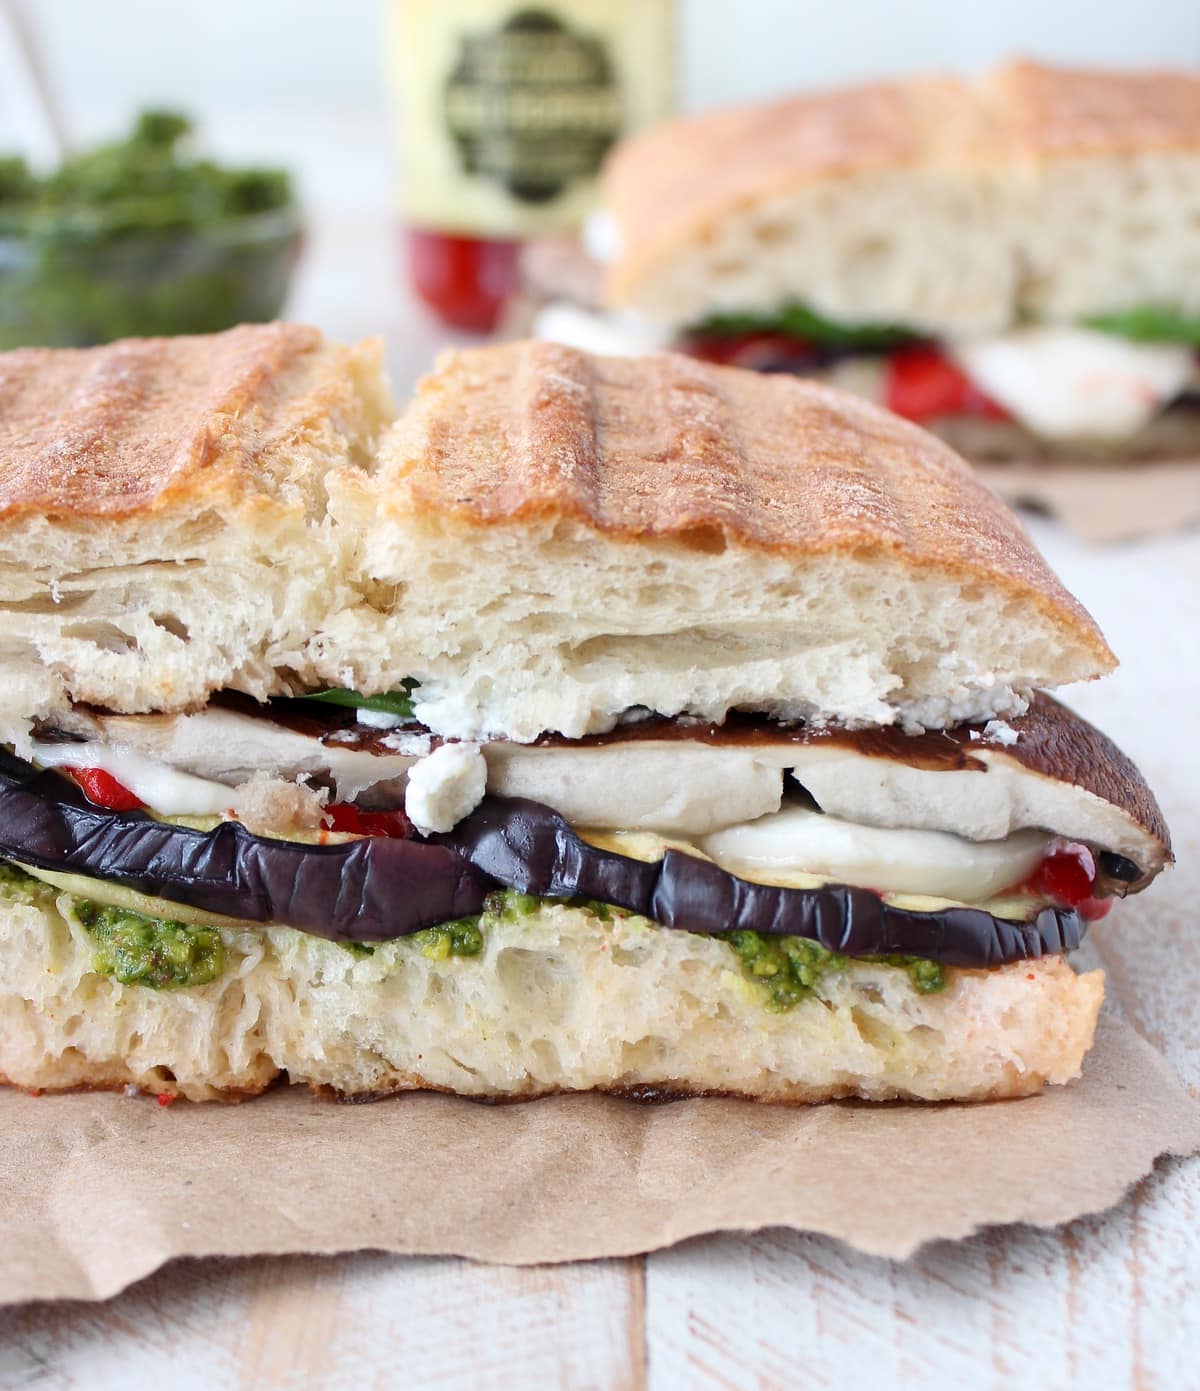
point(231, 58)
point(307, 85)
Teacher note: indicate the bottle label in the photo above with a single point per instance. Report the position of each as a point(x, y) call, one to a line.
point(533, 105)
point(508, 110)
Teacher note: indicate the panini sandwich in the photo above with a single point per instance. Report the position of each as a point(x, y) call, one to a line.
point(596, 723)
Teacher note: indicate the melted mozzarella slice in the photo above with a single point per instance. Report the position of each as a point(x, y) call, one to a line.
point(1067, 382)
point(888, 860)
point(160, 787)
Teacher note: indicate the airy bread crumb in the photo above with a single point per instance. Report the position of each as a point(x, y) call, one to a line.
point(267, 805)
point(559, 1000)
point(951, 207)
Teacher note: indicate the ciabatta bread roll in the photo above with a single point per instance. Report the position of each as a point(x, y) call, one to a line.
point(620, 724)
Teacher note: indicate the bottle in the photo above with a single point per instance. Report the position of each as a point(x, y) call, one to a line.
point(507, 111)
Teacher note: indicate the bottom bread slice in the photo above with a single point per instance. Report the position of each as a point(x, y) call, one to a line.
point(560, 998)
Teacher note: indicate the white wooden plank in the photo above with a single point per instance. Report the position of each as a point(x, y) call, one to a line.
point(1109, 1302)
point(346, 1324)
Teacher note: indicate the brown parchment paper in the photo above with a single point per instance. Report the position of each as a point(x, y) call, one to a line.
point(1104, 502)
point(100, 1190)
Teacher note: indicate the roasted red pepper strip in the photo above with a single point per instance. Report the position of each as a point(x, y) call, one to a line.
point(1093, 909)
point(1067, 877)
point(920, 384)
point(103, 789)
point(345, 816)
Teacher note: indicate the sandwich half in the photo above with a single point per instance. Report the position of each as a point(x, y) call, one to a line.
point(639, 725)
point(1011, 262)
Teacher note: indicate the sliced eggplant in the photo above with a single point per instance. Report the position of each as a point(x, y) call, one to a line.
point(376, 889)
point(370, 890)
point(529, 847)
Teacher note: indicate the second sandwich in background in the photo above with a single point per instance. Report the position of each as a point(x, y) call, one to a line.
point(1013, 263)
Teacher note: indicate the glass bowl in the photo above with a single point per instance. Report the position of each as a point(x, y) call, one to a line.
point(74, 282)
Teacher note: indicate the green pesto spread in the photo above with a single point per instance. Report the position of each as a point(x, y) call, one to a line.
point(140, 237)
point(789, 969)
point(465, 936)
point(928, 977)
point(133, 948)
point(786, 969)
point(18, 887)
point(136, 950)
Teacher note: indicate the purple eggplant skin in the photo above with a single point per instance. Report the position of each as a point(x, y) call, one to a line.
point(368, 890)
point(377, 889)
point(527, 846)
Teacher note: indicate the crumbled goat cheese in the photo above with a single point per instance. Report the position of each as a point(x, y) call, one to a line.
point(445, 787)
point(1000, 733)
point(601, 236)
point(407, 743)
point(379, 719)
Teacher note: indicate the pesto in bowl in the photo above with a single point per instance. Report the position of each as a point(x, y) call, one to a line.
point(139, 238)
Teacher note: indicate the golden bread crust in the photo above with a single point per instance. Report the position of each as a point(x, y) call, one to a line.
point(116, 431)
point(666, 183)
point(1047, 112)
point(1015, 1084)
point(666, 447)
point(667, 186)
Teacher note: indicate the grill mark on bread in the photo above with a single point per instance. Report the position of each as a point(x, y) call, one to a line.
point(116, 430)
point(767, 463)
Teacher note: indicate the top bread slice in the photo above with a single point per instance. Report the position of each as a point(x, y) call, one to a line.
point(163, 521)
point(553, 539)
point(945, 206)
point(545, 541)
